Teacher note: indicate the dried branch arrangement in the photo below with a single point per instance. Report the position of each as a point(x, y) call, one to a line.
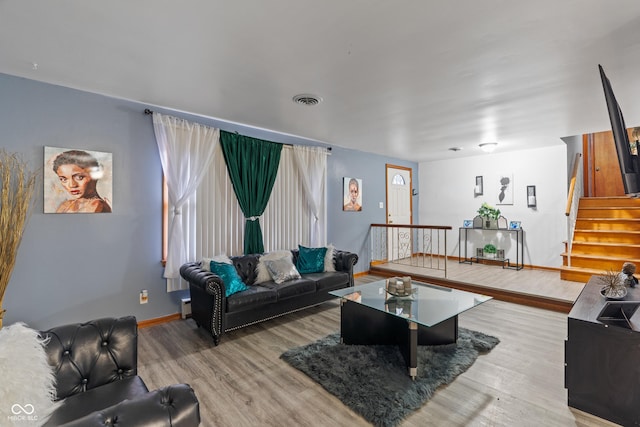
point(17, 185)
point(613, 286)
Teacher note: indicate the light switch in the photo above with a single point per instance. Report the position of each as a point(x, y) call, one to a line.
point(381, 205)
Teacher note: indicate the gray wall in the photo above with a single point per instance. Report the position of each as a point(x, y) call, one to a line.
point(72, 268)
point(574, 146)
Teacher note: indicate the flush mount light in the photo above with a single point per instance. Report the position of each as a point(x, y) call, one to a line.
point(307, 99)
point(455, 149)
point(488, 147)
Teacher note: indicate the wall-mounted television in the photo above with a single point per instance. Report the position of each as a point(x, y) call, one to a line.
point(629, 161)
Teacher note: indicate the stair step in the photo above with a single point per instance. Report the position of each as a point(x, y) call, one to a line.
point(621, 201)
point(628, 224)
point(609, 212)
point(606, 249)
point(597, 262)
point(581, 274)
point(607, 236)
point(577, 274)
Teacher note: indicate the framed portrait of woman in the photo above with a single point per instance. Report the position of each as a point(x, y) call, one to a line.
point(352, 200)
point(77, 181)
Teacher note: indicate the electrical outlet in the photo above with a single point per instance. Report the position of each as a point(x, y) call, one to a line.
point(144, 296)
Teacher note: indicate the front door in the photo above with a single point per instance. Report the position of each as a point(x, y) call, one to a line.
point(399, 211)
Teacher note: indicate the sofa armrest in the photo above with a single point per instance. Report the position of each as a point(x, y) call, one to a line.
point(91, 354)
point(344, 261)
point(208, 301)
point(175, 406)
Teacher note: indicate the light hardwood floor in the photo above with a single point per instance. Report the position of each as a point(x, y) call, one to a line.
point(242, 382)
point(535, 287)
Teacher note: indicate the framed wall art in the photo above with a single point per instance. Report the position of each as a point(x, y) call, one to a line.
point(505, 189)
point(77, 181)
point(352, 200)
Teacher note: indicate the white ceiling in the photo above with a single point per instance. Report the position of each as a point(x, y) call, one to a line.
point(405, 78)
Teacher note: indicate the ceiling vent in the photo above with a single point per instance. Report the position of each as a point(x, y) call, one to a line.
point(307, 99)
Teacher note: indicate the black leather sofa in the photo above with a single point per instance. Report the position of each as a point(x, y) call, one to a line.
point(217, 314)
point(95, 366)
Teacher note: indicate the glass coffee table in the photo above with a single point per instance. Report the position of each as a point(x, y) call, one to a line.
point(371, 316)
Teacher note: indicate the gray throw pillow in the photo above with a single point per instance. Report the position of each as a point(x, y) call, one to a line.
point(282, 270)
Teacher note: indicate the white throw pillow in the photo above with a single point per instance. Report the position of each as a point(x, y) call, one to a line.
point(262, 273)
point(27, 389)
point(328, 258)
point(223, 259)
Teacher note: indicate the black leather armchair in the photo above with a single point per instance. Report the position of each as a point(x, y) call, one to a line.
point(95, 365)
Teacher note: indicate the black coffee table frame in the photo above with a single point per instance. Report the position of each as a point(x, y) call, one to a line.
point(360, 324)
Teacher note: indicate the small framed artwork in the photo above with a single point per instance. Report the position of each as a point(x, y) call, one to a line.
point(514, 225)
point(500, 253)
point(505, 189)
point(479, 252)
point(352, 194)
point(479, 188)
point(467, 223)
point(531, 196)
point(77, 181)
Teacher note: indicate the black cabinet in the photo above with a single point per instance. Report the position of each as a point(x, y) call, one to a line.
point(602, 361)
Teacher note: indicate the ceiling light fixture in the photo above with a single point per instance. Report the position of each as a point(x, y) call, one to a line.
point(488, 147)
point(307, 99)
point(455, 149)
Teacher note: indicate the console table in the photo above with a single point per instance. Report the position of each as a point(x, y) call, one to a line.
point(463, 235)
point(602, 360)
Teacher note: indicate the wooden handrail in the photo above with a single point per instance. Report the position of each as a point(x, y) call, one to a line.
point(572, 183)
point(434, 227)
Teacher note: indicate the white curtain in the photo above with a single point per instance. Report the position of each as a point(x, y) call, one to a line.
point(186, 152)
point(214, 223)
point(312, 166)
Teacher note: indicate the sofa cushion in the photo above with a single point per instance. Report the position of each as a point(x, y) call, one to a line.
point(329, 265)
point(310, 260)
point(246, 266)
point(262, 273)
point(229, 275)
point(96, 399)
point(292, 288)
point(282, 270)
point(254, 296)
point(206, 262)
point(329, 281)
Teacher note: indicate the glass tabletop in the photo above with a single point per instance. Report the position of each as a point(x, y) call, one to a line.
point(428, 305)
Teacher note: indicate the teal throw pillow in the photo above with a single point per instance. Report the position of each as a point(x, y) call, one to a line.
point(310, 260)
point(227, 272)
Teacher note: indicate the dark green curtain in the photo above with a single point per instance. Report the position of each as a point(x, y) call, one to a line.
point(253, 165)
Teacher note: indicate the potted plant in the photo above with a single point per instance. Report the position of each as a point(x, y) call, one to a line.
point(489, 250)
point(490, 215)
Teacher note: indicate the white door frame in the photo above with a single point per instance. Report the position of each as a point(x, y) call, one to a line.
point(398, 238)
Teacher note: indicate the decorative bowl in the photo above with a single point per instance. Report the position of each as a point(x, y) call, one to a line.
point(617, 294)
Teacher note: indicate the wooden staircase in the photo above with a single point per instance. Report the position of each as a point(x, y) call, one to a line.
point(607, 234)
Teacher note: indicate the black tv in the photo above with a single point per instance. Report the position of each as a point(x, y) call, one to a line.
point(629, 162)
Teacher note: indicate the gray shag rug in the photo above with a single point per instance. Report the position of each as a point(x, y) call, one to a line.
point(373, 380)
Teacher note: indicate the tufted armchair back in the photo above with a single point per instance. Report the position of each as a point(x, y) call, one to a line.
point(88, 355)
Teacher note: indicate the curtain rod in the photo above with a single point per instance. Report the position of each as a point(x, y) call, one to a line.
point(149, 112)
